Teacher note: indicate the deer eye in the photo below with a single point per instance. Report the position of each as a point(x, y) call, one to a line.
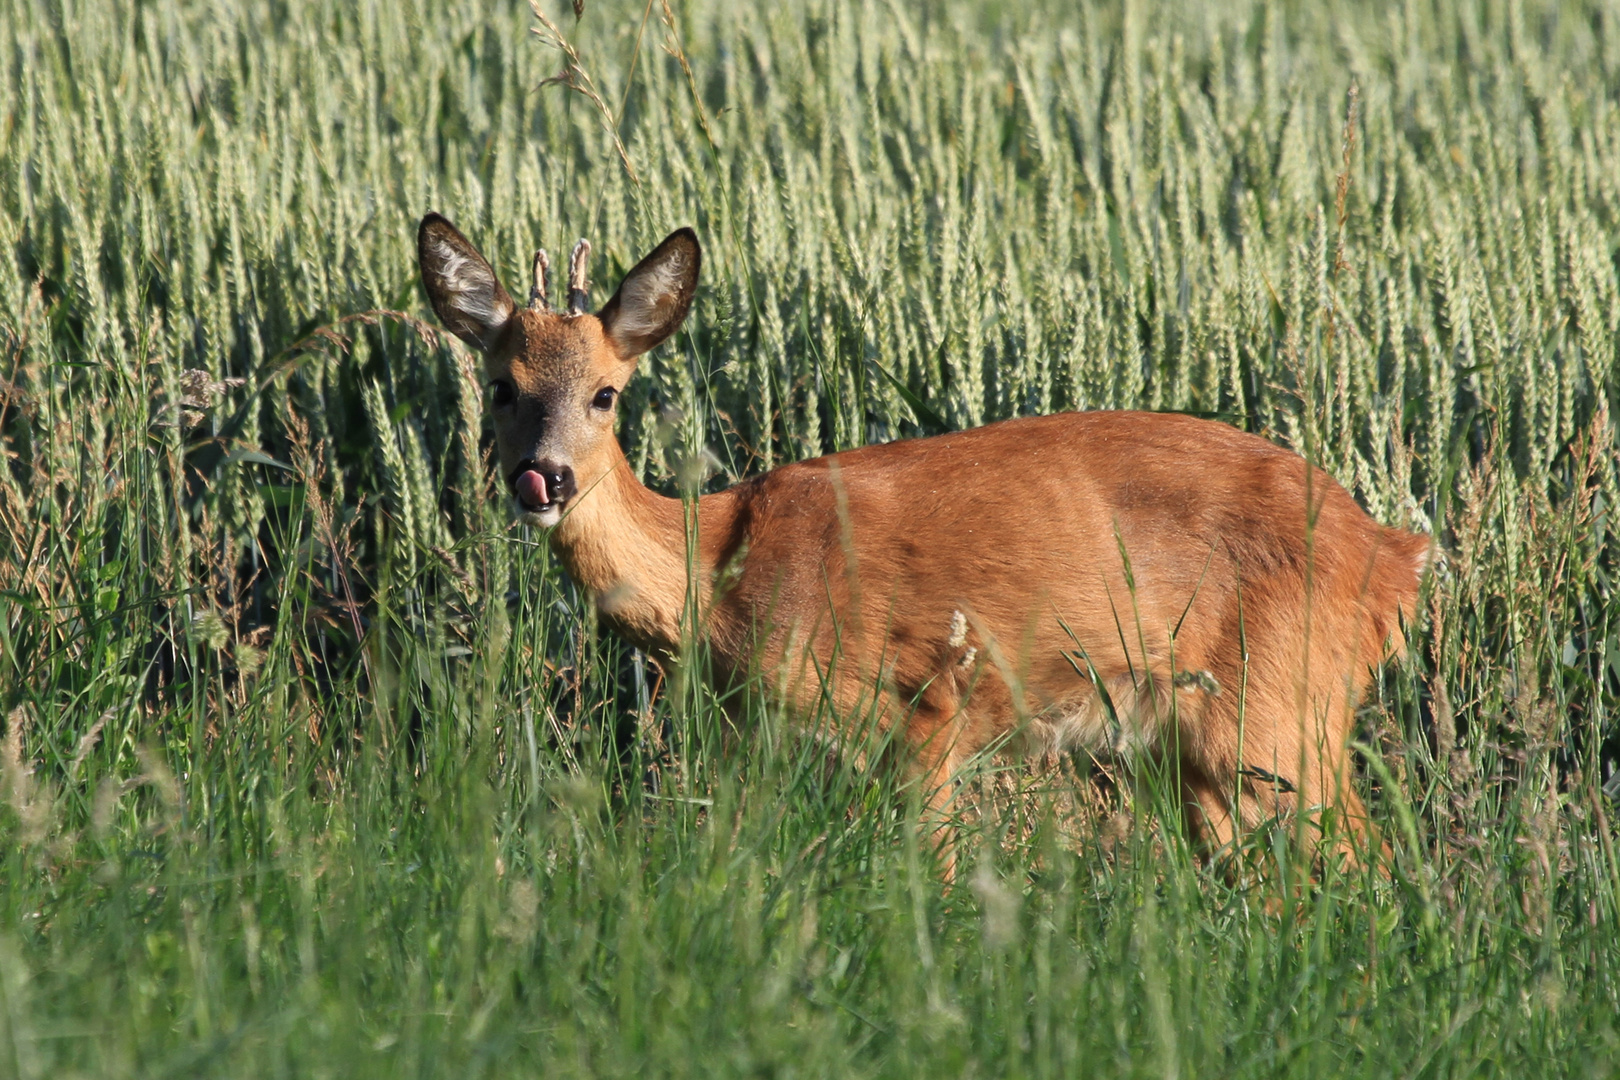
point(604, 398)
point(503, 392)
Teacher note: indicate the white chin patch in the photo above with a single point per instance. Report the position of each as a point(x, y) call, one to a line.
point(543, 519)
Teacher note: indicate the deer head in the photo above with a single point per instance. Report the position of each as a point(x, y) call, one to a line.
point(555, 376)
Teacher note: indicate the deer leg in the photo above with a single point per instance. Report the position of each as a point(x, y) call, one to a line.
point(1207, 809)
point(935, 737)
point(1279, 763)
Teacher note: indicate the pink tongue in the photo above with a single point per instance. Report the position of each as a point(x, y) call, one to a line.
point(531, 489)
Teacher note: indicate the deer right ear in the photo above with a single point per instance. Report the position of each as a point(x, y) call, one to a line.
point(654, 296)
point(465, 293)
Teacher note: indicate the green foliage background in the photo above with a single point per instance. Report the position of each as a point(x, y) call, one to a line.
point(313, 765)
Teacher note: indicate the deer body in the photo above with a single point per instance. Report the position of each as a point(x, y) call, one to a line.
point(1121, 582)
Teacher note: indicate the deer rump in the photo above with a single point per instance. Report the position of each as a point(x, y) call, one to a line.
point(1121, 582)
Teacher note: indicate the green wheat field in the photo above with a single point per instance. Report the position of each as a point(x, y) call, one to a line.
point(313, 764)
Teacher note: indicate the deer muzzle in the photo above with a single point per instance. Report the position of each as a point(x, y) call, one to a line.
point(542, 486)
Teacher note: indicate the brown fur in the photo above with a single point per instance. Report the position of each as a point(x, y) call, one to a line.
point(1231, 601)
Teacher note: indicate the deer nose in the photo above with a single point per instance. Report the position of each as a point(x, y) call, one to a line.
point(540, 484)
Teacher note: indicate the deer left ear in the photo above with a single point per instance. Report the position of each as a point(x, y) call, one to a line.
point(465, 292)
point(654, 296)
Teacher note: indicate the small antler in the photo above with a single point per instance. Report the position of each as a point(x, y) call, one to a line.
point(540, 291)
point(577, 285)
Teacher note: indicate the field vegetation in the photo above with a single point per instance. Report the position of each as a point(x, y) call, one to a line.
point(313, 764)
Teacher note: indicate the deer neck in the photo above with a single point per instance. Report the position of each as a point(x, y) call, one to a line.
point(628, 546)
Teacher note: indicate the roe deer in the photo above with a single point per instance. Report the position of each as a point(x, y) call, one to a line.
point(1123, 582)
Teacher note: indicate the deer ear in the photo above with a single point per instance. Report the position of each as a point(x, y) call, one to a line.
point(654, 296)
point(469, 300)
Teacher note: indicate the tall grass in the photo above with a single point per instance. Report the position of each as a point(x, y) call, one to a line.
point(313, 765)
